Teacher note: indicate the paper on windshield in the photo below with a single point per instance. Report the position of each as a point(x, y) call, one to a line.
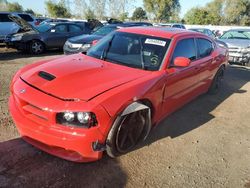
point(155, 42)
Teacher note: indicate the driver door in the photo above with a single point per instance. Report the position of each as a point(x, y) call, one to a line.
point(181, 82)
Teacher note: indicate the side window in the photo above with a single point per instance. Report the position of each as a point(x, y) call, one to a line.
point(26, 17)
point(185, 48)
point(74, 29)
point(177, 26)
point(5, 18)
point(60, 28)
point(205, 47)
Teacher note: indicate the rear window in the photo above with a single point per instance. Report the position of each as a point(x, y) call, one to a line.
point(4, 18)
point(74, 28)
point(205, 47)
point(26, 17)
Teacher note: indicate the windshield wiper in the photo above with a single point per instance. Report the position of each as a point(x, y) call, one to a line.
point(142, 56)
point(105, 50)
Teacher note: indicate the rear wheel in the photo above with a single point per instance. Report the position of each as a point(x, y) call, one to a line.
point(217, 81)
point(36, 47)
point(247, 64)
point(127, 132)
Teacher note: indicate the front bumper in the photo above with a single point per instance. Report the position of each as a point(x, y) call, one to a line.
point(238, 57)
point(70, 143)
point(17, 45)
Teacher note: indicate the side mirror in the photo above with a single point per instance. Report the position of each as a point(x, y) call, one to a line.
point(182, 62)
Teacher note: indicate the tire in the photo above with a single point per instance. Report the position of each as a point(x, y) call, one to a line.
point(126, 132)
point(247, 64)
point(36, 47)
point(216, 83)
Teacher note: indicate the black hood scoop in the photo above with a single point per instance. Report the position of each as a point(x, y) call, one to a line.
point(46, 76)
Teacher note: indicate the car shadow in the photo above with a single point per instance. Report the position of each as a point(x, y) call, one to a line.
point(7, 54)
point(22, 165)
point(198, 112)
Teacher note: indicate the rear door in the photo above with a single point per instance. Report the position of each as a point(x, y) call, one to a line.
point(75, 30)
point(57, 36)
point(205, 60)
point(181, 82)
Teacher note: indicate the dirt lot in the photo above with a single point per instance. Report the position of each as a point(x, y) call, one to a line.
point(205, 144)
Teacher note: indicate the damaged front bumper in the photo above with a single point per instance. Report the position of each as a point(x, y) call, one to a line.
point(37, 125)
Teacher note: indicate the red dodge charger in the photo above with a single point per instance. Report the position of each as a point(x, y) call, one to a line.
point(76, 107)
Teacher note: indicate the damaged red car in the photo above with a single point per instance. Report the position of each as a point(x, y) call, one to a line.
point(78, 106)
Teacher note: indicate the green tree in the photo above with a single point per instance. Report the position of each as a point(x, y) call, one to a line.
point(99, 7)
point(139, 14)
point(15, 7)
point(215, 11)
point(221, 12)
point(123, 16)
point(57, 9)
point(197, 15)
point(90, 14)
point(3, 5)
point(29, 11)
point(162, 9)
point(237, 12)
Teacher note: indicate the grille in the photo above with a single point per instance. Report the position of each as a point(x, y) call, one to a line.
point(33, 112)
point(234, 50)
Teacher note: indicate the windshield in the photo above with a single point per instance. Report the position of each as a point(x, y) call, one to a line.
point(133, 50)
point(236, 35)
point(104, 30)
point(44, 27)
point(199, 30)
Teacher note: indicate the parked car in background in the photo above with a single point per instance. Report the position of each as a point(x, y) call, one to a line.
point(46, 36)
point(206, 31)
point(138, 24)
point(52, 20)
point(7, 26)
point(76, 107)
point(238, 42)
point(83, 42)
point(175, 25)
point(40, 19)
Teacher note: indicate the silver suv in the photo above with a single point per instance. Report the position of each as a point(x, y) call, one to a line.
point(7, 26)
point(238, 42)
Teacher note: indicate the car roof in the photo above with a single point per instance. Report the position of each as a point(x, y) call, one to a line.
point(165, 32)
point(6, 12)
point(198, 28)
point(239, 29)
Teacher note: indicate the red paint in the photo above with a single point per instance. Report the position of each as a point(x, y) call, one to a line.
point(105, 89)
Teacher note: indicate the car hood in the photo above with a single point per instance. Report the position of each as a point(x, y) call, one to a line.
point(79, 77)
point(21, 23)
point(238, 43)
point(83, 39)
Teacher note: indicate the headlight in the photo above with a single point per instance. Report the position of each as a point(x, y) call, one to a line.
point(16, 37)
point(79, 119)
point(85, 47)
point(245, 50)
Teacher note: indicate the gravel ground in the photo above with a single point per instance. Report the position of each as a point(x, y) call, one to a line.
point(204, 144)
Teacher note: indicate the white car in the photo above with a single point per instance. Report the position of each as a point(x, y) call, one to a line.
point(7, 26)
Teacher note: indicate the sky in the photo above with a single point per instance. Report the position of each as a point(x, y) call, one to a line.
point(39, 6)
